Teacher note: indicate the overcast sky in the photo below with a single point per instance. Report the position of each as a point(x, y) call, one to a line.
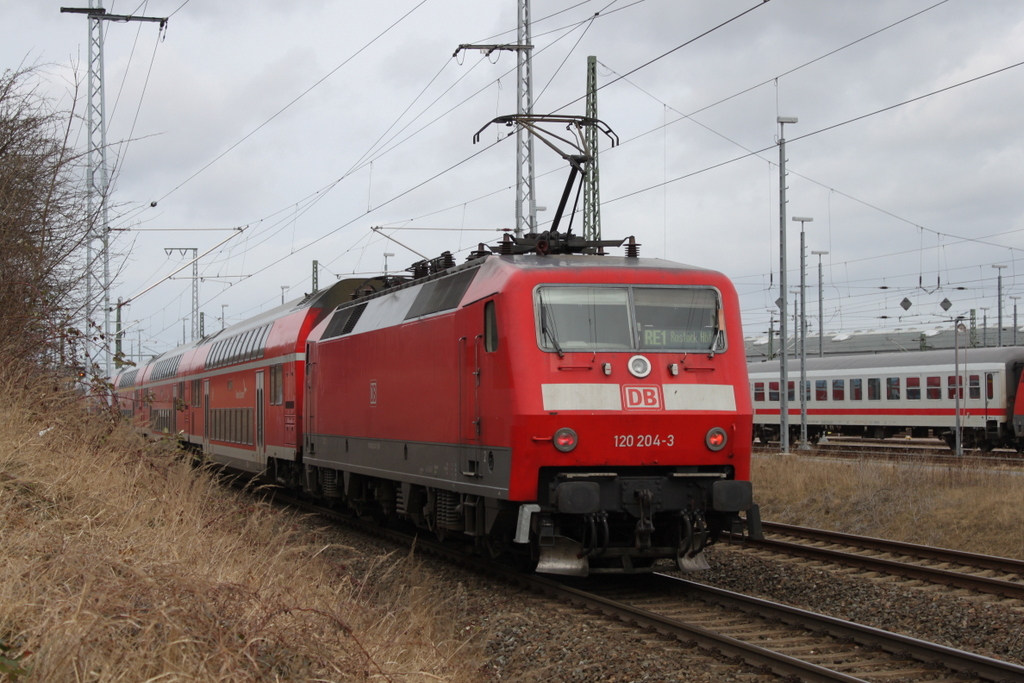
point(308, 122)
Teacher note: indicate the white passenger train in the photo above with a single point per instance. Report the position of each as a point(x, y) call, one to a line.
point(880, 395)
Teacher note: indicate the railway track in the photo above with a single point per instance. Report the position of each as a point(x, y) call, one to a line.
point(935, 453)
point(769, 638)
point(982, 573)
point(785, 640)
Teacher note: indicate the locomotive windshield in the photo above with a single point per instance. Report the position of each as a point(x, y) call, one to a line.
point(574, 318)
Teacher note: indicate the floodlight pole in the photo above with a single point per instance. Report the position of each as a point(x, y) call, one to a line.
point(803, 333)
point(783, 370)
point(999, 293)
point(821, 305)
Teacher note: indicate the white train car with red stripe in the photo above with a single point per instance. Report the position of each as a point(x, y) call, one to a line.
point(914, 393)
point(588, 412)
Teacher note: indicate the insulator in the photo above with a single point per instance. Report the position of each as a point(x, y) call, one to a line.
point(632, 248)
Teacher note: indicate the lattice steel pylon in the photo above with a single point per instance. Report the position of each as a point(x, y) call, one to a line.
point(591, 179)
point(98, 178)
point(526, 198)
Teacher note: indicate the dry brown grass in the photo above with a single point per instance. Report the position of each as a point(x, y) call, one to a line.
point(958, 507)
point(120, 562)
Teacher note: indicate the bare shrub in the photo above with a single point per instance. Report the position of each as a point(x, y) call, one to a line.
point(44, 223)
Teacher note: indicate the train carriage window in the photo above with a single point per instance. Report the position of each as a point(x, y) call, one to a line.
point(251, 338)
point(892, 388)
point(490, 327)
point(838, 389)
point(276, 385)
point(974, 386)
point(951, 387)
point(933, 391)
point(245, 348)
point(807, 390)
point(791, 391)
point(773, 391)
point(821, 390)
point(759, 391)
point(262, 335)
point(989, 386)
point(232, 354)
point(874, 389)
point(197, 397)
point(914, 388)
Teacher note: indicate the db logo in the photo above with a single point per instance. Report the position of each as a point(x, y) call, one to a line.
point(641, 397)
point(373, 392)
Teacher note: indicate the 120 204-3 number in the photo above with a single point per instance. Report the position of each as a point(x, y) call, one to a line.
point(643, 440)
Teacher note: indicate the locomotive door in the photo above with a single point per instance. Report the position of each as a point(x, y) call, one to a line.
point(310, 399)
point(469, 341)
point(261, 450)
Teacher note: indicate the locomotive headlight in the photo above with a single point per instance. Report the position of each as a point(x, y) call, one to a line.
point(716, 439)
point(565, 439)
point(639, 366)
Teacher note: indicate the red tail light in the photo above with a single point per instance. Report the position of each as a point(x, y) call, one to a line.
point(716, 439)
point(565, 439)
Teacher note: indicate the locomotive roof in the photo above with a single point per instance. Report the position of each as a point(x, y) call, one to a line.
point(1008, 354)
point(592, 261)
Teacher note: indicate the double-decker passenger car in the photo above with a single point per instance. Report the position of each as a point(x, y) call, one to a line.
point(587, 411)
point(914, 392)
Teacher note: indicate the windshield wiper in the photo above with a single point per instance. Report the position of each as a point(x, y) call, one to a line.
point(546, 332)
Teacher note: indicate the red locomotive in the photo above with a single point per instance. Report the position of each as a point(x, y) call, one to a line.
point(587, 411)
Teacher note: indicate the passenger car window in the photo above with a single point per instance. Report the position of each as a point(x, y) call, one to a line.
point(838, 389)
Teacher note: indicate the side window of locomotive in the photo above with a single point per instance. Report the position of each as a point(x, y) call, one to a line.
point(933, 390)
point(874, 389)
point(490, 327)
point(892, 388)
point(914, 388)
point(974, 386)
point(856, 390)
point(583, 318)
point(687, 319)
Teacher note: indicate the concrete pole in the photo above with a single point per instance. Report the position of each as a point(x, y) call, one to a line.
point(784, 358)
point(821, 305)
